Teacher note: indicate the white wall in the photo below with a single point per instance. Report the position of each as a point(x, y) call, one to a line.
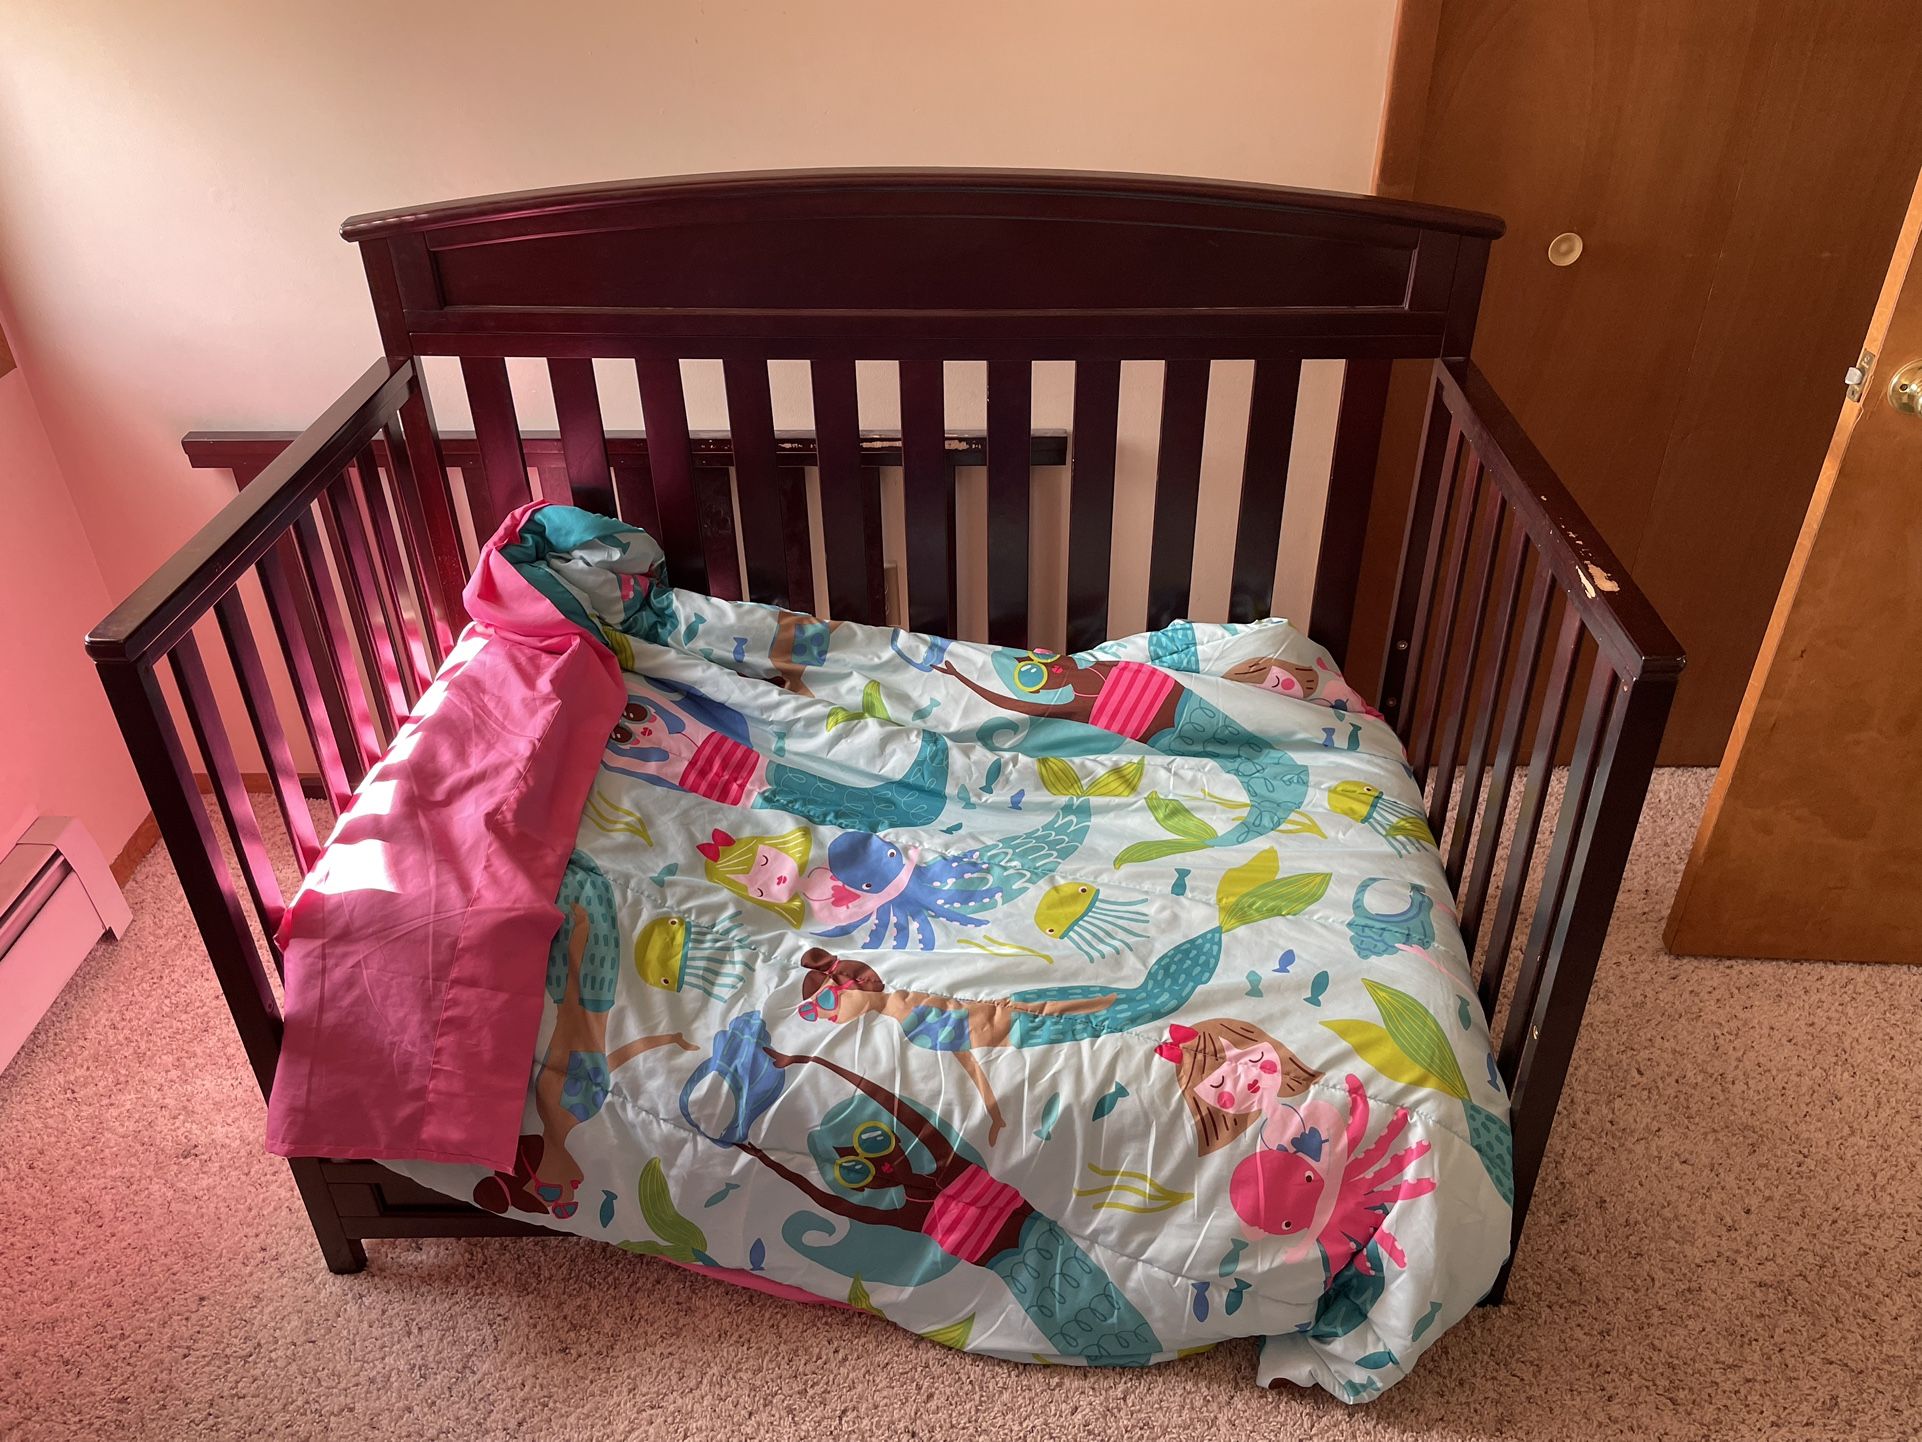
point(172, 175)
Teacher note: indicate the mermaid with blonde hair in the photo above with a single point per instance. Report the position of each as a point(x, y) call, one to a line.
point(765, 870)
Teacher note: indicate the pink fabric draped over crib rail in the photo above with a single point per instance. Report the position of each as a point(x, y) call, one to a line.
point(415, 949)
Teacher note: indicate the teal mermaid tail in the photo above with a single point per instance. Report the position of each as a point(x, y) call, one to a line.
point(583, 884)
point(1074, 1303)
point(1275, 784)
point(916, 799)
point(1251, 892)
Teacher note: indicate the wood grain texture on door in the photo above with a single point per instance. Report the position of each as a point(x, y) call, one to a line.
point(1810, 847)
point(1737, 174)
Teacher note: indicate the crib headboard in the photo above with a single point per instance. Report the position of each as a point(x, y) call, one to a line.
point(921, 267)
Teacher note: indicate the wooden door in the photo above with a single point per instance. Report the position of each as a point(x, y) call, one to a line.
point(1737, 173)
point(1811, 846)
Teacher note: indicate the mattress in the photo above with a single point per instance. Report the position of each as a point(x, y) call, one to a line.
point(1082, 1009)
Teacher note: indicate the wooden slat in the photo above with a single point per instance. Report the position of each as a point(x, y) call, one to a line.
point(671, 467)
point(634, 499)
point(850, 499)
point(1559, 873)
point(928, 499)
point(335, 643)
point(230, 792)
point(776, 534)
point(410, 621)
point(1435, 477)
point(1264, 487)
point(556, 486)
point(1437, 680)
point(1517, 695)
point(797, 539)
point(422, 560)
point(348, 541)
point(1010, 416)
point(363, 509)
point(317, 687)
point(503, 465)
point(577, 411)
point(1097, 397)
point(714, 494)
point(1184, 418)
point(1500, 629)
point(257, 692)
point(1482, 560)
point(1351, 485)
point(1521, 850)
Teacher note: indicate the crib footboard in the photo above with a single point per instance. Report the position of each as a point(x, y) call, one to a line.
point(1530, 680)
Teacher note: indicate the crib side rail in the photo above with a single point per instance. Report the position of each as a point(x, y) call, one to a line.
point(1508, 606)
point(316, 584)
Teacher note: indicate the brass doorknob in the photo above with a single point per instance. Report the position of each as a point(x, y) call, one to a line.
point(1905, 388)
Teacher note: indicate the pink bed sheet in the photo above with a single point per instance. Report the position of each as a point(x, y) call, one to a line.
point(415, 951)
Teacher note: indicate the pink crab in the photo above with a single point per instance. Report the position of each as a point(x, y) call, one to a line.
point(1284, 1190)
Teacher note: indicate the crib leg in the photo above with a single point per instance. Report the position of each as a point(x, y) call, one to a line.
point(1498, 1293)
point(343, 1254)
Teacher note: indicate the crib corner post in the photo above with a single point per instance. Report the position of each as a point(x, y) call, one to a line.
point(344, 1254)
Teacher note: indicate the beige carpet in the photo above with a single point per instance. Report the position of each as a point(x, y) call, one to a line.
point(1727, 1243)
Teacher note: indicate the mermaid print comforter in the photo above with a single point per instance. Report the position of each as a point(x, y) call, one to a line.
point(1080, 1009)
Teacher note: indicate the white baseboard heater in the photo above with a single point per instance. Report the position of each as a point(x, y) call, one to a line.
point(57, 898)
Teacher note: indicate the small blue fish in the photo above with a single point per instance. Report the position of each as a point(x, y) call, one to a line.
point(1180, 888)
point(1014, 801)
point(1317, 989)
point(1494, 1075)
point(1050, 1114)
point(926, 711)
point(740, 648)
point(1462, 1013)
point(1233, 1259)
point(1284, 962)
point(1109, 1102)
point(607, 1209)
point(1201, 1301)
point(757, 1255)
point(1375, 1361)
point(1233, 1304)
point(950, 830)
point(1427, 1321)
point(694, 624)
point(660, 877)
point(721, 1196)
point(1254, 983)
point(780, 743)
point(994, 775)
point(1309, 1143)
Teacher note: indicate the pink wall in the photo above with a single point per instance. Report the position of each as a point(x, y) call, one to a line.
point(60, 752)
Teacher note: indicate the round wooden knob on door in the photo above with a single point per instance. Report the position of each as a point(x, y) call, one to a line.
point(1565, 249)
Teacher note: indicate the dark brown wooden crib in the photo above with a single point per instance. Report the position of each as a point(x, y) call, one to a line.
point(1509, 615)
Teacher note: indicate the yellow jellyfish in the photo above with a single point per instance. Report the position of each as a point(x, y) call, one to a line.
point(1076, 912)
point(671, 953)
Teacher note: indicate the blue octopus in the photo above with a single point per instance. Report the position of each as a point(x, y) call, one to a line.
point(874, 882)
point(869, 878)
